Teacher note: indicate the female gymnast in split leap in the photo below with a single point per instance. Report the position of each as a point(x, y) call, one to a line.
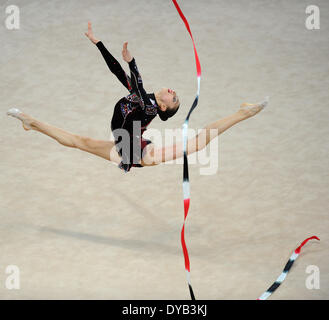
point(132, 114)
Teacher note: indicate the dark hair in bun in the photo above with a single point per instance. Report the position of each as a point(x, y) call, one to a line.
point(165, 115)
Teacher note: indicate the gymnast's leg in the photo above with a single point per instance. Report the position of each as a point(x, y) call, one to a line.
point(104, 149)
point(154, 156)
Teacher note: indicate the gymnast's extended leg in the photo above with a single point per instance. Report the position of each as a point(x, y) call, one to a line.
point(101, 148)
point(154, 156)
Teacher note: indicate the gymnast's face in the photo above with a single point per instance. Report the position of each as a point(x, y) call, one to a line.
point(169, 98)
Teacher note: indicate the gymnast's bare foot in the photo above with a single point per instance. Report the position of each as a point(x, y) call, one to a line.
point(90, 34)
point(250, 109)
point(26, 119)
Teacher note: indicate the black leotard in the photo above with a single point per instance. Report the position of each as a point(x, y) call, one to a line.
point(137, 109)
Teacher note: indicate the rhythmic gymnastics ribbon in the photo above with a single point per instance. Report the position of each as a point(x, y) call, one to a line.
point(186, 185)
point(186, 182)
point(286, 269)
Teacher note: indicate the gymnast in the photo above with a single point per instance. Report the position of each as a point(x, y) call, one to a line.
point(137, 110)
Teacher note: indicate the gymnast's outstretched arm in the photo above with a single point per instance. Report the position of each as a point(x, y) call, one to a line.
point(111, 62)
point(154, 155)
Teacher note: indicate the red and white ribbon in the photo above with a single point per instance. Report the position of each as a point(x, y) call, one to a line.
point(186, 182)
point(285, 271)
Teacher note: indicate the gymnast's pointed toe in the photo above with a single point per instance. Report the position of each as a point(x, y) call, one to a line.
point(18, 114)
point(251, 109)
point(14, 112)
point(265, 102)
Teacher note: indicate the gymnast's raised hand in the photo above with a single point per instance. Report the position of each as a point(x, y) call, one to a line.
point(90, 35)
point(125, 53)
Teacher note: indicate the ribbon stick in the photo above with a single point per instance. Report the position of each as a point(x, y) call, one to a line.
point(285, 271)
point(186, 182)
